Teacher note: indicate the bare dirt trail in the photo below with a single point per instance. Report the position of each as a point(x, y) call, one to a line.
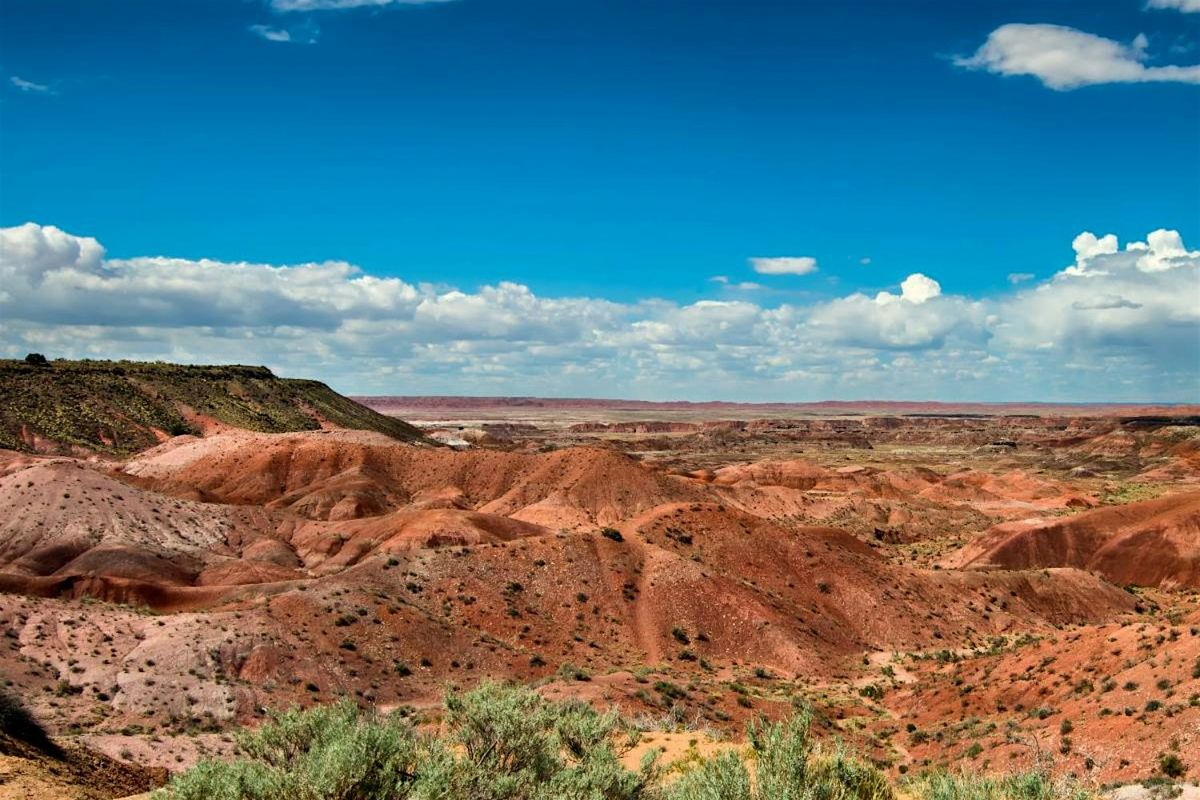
point(644, 623)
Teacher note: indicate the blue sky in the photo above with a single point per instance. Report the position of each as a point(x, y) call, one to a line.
point(623, 152)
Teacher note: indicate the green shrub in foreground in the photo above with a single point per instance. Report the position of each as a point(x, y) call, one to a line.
point(325, 753)
point(509, 743)
point(787, 766)
point(499, 743)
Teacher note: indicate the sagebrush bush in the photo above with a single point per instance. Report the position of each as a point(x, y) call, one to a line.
point(517, 745)
point(787, 766)
point(326, 753)
point(508, 743)
point(1033, 785)
point(498, 743)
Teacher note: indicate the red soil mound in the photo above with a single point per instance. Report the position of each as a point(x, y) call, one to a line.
point(336, 545)
point(72, 530)
point(823, 588)
point(56, 511)
point(341, 475)
point(1151, 543)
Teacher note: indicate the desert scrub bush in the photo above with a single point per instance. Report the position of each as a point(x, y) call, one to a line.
point(498, 743)
point(1017, 786)
point(1171, 765)
point(517, 745)
point(324, 753)
point(787, 767)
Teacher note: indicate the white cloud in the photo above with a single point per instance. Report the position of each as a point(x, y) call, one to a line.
point(1162, 250)
point(1020, 277)
point(745, 286)
point(333, 5)
point(916, 319)
point(29, 86)
point(306, 32)
point(865, 261)
point(1064, 58)
point(33, 250)
point(787, 265)
point(1087, 245)
point(271, 34)
point(1141, 302)
point(1186, 6)
point(916, 289)
point(1115, 324)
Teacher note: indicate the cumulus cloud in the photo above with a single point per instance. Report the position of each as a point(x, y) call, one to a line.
point(1063, 58)
point(786, 265)
point(1162, 250)
point(1140, 303)
point(1088, 245)
point(915, 289)
point(1115, 323)
point(32, 250)
point(59, 277)
point(1020, 277)
point(29, 86)
point(918, 318)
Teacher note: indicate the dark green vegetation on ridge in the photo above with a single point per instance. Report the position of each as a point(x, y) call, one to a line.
point(121, 407)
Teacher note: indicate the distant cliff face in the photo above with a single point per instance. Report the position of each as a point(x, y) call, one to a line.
point(121, 407)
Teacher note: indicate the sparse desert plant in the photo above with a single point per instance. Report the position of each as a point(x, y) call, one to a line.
point(788, 766)
point(570, 672)
point(518, 745)
point(324, 752)
point(872, 691)
point(1018, 786)
point(1171, 765)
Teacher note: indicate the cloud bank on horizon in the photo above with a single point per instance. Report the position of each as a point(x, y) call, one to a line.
point(1116, 324)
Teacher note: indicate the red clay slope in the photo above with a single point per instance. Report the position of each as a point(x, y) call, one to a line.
point(1152, 543)
point(343, 475)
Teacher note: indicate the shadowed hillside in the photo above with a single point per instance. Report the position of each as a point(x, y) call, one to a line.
point(121, 407)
